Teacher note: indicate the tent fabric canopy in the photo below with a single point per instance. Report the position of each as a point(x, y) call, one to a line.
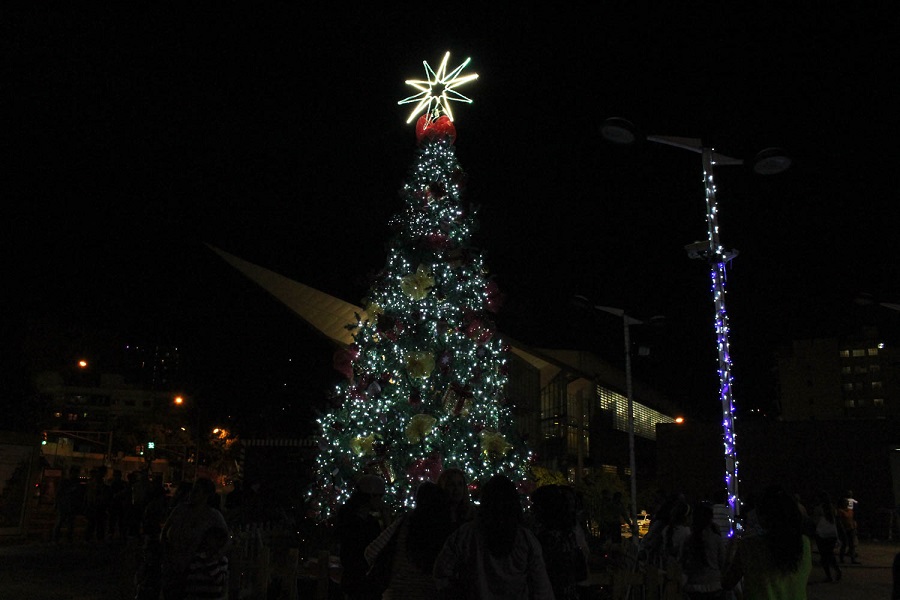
point(325, 313)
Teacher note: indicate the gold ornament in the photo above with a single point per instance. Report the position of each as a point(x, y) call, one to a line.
point(494, 444)
point(419, 364)
point(419, 284)
point(362, 446)
point(419, 426)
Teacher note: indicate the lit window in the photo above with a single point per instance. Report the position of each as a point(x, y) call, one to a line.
point(878, 401)
point(845, 354)
point(849, 403)
point(876, 385)
point(873, 351)
point(645, 418)
point(858, 353)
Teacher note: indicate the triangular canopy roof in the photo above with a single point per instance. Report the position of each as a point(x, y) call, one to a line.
point(327, 314)
point(331, 316)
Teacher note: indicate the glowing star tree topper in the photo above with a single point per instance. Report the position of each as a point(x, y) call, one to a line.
point(438, 90)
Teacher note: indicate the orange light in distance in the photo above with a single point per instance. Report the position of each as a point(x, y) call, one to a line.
point(679, 420)
point(82, 364)
point(179, 400)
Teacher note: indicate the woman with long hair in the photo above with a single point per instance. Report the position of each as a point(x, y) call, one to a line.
point(677, 530)
point(703, 557)
point(413, 542)
point(826, 533)
point(453, 481)
point(774, 564)
point(653, 543)
point(495, 556)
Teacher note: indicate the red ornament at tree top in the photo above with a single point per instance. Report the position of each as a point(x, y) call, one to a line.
point(431, 130)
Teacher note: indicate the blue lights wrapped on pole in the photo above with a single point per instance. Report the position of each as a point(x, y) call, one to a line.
point(767, 162)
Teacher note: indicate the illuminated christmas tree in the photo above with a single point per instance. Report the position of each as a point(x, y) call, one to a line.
point(425, 380)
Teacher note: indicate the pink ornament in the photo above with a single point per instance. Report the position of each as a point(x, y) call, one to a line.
point(343, 360)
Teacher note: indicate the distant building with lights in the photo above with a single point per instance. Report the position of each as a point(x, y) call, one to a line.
point(153, 366)
point(573, 408)
point(93, 405)
point(852, 377)
point(95, 413)
point(137, 382)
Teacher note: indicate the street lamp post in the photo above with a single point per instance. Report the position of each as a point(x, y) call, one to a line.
point(627, 322)
point(180, 401)
point(767, 162)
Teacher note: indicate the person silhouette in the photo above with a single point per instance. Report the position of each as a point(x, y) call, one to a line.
point(825, 526)
point(494, 556)
point(846, 513)
point(357, 528)
point(411, 543)
point(119, 494)
point(207, 576)
point(702, 556)
point(96, 505)
point(453, 481)
point(69, 498)
point(555, 528)
point(774, 563)
point(183, 532)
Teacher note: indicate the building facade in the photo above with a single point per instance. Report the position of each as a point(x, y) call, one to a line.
point(852, 377)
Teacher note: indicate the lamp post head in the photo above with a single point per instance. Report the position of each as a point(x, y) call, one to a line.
point(619, 131)
point(580, 301)
point(771, 161)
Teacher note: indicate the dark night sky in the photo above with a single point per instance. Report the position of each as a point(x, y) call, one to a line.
point(139, 134)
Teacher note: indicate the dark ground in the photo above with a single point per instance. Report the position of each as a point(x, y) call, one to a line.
point(32, 568)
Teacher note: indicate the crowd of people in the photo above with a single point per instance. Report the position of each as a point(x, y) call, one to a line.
point(446, 548)
point(505, 545)
point(766, 553)
point(183, 536)
point(535, 547)
point(118, 508)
